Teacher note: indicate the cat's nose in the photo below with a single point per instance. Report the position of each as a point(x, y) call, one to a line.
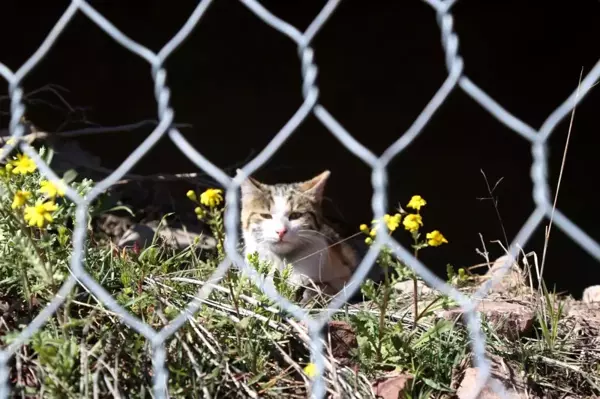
point(281, 232)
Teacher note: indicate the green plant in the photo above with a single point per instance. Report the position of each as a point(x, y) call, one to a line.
point(412, 223)
point(549, 315)
point(239, 343)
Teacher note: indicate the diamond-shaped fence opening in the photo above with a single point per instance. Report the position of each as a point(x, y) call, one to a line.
point(456, 80)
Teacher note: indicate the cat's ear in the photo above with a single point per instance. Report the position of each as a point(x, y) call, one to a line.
point(250, 186)
point(315, 186)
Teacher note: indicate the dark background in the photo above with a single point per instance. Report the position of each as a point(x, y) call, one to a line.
point(237, 81)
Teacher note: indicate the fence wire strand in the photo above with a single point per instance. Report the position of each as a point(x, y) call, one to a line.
point(309, 71)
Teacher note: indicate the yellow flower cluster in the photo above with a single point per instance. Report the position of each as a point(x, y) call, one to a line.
point(416, 203)
point(435, 238)
point(52, 190)
point(22, 165)
point(210, 198)
point(40, 213)
point(412, 222)
point(20, 199)
point(310, 370)
point(391, 221)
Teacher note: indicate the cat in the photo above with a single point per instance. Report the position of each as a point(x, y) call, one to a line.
point(284, 224)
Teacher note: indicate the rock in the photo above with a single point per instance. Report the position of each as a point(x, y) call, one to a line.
point(495, 383)
point(114, 226)
point(139, 234)
point(343, 340)
point(591, 294)
point(392, 385)
point(513, 278)
point(407, 287)
point(143, 234)
point(588, 312)
point(510, 320)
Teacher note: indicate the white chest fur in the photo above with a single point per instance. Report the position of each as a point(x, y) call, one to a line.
point(314, 261)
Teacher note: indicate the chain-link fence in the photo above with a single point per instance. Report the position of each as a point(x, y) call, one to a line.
point(537, 138)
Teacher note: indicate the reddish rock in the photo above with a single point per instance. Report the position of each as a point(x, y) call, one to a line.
point(467, 387)
point(510, 320)
point(343, 340)
point(392, 385)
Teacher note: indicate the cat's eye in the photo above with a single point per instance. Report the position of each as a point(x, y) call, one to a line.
point(294, 215)
point(266, 215)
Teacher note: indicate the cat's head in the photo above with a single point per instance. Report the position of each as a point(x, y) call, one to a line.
point(282, 217)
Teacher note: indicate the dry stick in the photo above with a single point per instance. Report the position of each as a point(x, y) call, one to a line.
point(571, 367)
point(184, 345)
point(224, 290)
point(334, 374)
point(290, 361)
point(114, 393)
point(84, 369)
point(491, 192)
point(562, 166)
point(95, 388)
point(197, 327)
point(19, 372)
point(485, 254)
point(382, 312)
point(415, 296)
point(42, 135)
point(225, 310)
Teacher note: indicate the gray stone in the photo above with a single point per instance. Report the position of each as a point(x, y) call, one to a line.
point(591, 294)
point(178, 238)
point(513, 278)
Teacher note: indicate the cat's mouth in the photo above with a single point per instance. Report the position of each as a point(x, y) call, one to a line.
point(281, 245)
point(280, 242)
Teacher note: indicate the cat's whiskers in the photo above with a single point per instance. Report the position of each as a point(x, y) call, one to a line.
point(330, 246)
point(312, 232)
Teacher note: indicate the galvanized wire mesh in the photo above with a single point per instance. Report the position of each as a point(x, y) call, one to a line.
point(456, 79)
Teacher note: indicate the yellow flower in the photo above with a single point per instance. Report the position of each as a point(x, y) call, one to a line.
point(211, 197)
point(41, 212)
point(368, 241)
point(412, 222)
point(392, 222)
point(310, 370)
point(435, 238)
point(191, 195)
point(23, 165)
point(364, 228)
point(51, 189)
point(20, 199)
point(416, 202)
